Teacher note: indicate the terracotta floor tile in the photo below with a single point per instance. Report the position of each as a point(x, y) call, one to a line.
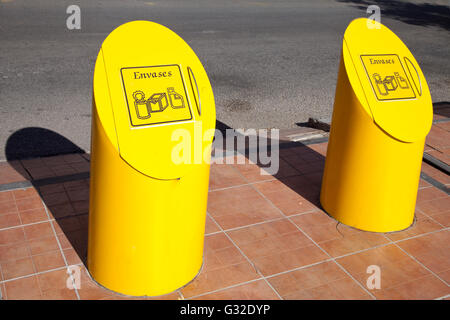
point(444, 125)
point(223, 266)
point(38, 230)
point(53, 161)
point(438, 209)
point(14, 251)
point(210, 226)
point(33, 163)
point(276, 246)
point(285, 170)
point(224, 176)
point(17, 268)
point(257, 290)
point(438, 138)
point(428, 287)
point(75, 184)
point(56, 279)
point(8, 207)
point(320, 148)
point(252, 172)
point(80, 207)
point(397, 269)
point(67, 224)
point(40, 172)
point(29, 203)
point(64, 241)
point(423, 224)
point(336, 239)
point(79, 194)
point(61, 210)
point(23, 289)
point(429, 194)
point(435, 173)
point(312, 167)
point(3, 291)
point(342, 289)
point(33, 215)
point(445, 158)
point(43, 245)
point(72, 256)
point(81, 166)
point(240, 206)
point(51, 188)
point(307, 278)
point(283, 197)
point(92, 291)
point(8, 174)
point(220, 252)
point(6, 196)
point(59, 294)
point(63, 170)
point(10, 236)
point(220, 278)
point(25, 193)
point(9, 220)
point(48, 261)
point(435, 206)
point(445, 276)
point(423, 184)
point(432, 250)
point(57, 198)
point(443, 219)
point(74, 158)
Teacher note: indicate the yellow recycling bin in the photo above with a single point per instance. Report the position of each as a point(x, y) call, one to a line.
point(152, 130)
point(382, 114)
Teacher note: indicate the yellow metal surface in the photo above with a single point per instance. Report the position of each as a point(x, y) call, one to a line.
point(378, 132)
point(147, 213)
point(378, 57)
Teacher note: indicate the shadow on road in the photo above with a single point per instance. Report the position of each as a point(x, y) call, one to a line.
point(442, 108)
point(35, 142)
point(424, 14)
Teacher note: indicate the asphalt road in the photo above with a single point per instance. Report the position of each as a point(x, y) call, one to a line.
point(272, 64)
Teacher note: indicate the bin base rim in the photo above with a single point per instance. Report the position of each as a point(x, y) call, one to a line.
point(413, 223)
point(146, 296)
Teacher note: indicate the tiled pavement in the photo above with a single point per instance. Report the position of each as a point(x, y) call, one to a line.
point(266, 236)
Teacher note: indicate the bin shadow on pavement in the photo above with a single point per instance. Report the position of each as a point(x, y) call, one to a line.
point(301, 166)
point(59, 171)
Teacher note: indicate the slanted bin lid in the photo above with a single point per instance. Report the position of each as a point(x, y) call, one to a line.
point(155, 85)
point(387, 81)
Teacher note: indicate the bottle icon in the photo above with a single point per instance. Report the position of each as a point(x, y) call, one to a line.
point(142, 111)
point(176, 99)
point(401, 81)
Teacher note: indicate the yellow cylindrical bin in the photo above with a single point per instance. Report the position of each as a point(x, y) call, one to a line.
point(153, 117)
point(382, 114)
